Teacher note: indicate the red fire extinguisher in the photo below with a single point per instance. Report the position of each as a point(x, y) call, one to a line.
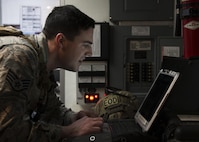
point(190, 23)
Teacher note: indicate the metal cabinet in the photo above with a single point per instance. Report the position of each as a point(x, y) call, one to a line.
point(141, 10)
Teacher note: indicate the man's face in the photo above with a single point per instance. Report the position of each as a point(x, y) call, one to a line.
point(74, 52)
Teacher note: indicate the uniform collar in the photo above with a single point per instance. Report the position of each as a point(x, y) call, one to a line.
point(42, 46)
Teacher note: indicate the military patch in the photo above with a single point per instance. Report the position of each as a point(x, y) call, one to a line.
point(16, 83)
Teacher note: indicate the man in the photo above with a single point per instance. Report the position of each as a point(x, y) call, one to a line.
point(29, 108)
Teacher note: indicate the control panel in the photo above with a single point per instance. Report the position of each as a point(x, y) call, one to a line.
point(92, 79)
point(136, 54)
point(140, 63)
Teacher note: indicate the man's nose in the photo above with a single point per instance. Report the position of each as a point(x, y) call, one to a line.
point(89, 53)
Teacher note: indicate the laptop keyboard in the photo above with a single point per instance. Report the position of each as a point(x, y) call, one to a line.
point(120, 127)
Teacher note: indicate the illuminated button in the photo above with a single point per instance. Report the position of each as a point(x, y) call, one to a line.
point(91, 98)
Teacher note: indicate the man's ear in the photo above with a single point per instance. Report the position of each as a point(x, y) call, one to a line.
point(60, 39)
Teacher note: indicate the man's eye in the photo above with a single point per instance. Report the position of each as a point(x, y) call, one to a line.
point(87, 46)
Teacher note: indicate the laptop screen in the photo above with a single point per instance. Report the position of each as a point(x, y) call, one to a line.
point(155, 98)
point(155, 95)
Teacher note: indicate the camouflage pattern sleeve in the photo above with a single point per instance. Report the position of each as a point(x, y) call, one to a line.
point(55, 110)
point(18, 95)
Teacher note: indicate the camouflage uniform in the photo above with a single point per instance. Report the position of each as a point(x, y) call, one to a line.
point(29, 108)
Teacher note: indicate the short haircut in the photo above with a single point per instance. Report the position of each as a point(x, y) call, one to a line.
point(68, 20)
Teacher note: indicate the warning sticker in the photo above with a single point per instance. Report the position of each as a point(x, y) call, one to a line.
point(192, 25)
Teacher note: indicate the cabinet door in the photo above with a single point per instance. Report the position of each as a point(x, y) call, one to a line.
point(141, 10)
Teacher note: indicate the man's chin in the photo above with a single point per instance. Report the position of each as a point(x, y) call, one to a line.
point(74, 69)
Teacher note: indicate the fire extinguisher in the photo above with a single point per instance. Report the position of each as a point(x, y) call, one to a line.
point(190, 23)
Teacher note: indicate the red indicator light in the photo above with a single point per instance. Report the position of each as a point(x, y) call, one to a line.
point(91, 98)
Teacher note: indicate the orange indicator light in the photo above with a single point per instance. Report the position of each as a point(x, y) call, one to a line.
point(91, 97)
